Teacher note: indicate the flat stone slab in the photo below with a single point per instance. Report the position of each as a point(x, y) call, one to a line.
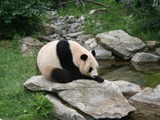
point(63, 112)
point(99, 100)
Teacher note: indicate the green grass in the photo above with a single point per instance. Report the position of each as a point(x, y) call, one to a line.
point(16, 102)
point(116, 17)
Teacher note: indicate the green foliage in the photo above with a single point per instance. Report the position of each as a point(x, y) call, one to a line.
point(43, 107)
point(23, 17)
point(20, 17)
point(148, 11)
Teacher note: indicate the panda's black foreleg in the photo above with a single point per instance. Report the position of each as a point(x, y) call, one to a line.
point(61, 75)
point(98, 79)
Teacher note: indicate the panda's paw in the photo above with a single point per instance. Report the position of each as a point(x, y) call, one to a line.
point(99, 79)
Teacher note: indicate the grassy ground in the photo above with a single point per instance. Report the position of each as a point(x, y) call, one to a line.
point(116, 17)
point(16, 102)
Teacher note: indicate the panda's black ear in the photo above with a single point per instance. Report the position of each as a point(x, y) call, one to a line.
point(93, 53)
point(84, 57)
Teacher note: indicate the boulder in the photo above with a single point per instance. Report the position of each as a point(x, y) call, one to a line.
point(90, 41)
point(98, 100)
point(63, 112)
point(158, 51)
point(90, 44)
point(39, 83)
point(120, 43)
point(152, 44)
point(70, 19)
point(143, 57)
point(127, 88)
point(147, 99)
point(103, 54)
point(81, 19)
point(82, 38)
point(48, 29)
point(74, 27)
point(60, 24)
point(50, 38)
point(50, 15)
point(30, 46)
point(76, 34)
point(31, 41)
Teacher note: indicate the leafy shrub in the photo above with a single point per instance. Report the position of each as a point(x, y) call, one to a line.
point(20, 16)
point(148, 11)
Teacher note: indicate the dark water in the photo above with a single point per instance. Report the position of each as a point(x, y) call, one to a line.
point(146, 75)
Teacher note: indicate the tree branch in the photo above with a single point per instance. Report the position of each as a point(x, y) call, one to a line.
point(98, 3)
point(80, 2)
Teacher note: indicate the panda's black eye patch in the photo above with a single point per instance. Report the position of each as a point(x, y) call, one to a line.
point(90, 69)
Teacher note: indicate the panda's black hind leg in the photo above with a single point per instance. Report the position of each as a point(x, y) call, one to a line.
point(61, 75)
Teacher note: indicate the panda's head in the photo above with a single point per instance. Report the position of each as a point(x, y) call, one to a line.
point(88, 65)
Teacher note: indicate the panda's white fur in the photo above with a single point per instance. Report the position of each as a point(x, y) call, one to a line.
point(47, 60)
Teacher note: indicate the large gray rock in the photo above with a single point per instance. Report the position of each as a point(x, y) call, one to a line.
point(98, 100)
point(76, 34)
point(63, 112)
point(103, 100)
point(103, 54)
point(74, 27)
point(158, 51)
point(152, 44)
point(51, 29)
point(30, 46)
point(147, 99)
point(90, 44)
point(50, 15)
point(48, 29)
point(70, 19)
point(39, 83)
point(81, 19)
point(127, 88)
point(120, 43)
point(82, 38)
point(141, 58)
point(31, 41)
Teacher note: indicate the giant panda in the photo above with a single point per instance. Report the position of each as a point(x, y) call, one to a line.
point(64, 61)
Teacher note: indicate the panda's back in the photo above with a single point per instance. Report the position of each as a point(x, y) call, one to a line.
point(47, 58)
point(66, 55)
